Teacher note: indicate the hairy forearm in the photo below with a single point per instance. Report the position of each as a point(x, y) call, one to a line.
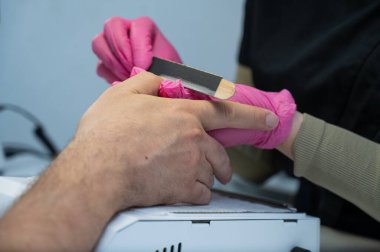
point(63, 211)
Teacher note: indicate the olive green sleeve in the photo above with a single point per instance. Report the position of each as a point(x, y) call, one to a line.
point(340, 161)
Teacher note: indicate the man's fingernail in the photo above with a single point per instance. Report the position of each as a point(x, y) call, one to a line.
point(271, 120)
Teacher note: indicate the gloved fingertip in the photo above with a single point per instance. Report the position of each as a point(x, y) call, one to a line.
point(95, 42)
point(103, 72)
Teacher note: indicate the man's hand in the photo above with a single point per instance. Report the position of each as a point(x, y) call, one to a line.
point(161, 143)
point(131, 149)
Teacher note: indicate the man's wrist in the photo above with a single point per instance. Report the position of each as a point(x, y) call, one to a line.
point(91, 174)
point(68, 203)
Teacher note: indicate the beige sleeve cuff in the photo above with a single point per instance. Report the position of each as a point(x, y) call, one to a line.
point(307, 144)
point(340, 161)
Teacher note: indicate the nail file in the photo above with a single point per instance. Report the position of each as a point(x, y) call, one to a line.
point(192, 78)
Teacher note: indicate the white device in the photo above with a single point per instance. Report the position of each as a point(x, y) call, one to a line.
point(230, 222)
point(11, 188)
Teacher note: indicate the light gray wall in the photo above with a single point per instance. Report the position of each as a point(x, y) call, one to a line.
point(47, 66)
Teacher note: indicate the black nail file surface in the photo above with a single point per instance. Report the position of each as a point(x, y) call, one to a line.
point(194, 79)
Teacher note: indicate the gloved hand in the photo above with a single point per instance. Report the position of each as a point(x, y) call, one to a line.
point(281, 103)
point(125, 44)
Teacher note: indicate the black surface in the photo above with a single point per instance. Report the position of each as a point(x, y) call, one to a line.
point(327, 54)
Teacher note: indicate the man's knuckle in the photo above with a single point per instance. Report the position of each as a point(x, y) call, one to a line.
point(187, 193)
point(227, 111)
point(220, 150)
point(224, 156)
point(203, 196)
point(195, 134)
point(150, 77)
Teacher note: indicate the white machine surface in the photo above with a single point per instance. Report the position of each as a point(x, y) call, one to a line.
point(230, 222)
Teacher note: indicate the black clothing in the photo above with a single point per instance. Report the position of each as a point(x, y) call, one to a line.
point(327, 54)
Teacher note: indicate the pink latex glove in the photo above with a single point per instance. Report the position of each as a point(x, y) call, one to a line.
point(281, 103)
point(125, 44)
